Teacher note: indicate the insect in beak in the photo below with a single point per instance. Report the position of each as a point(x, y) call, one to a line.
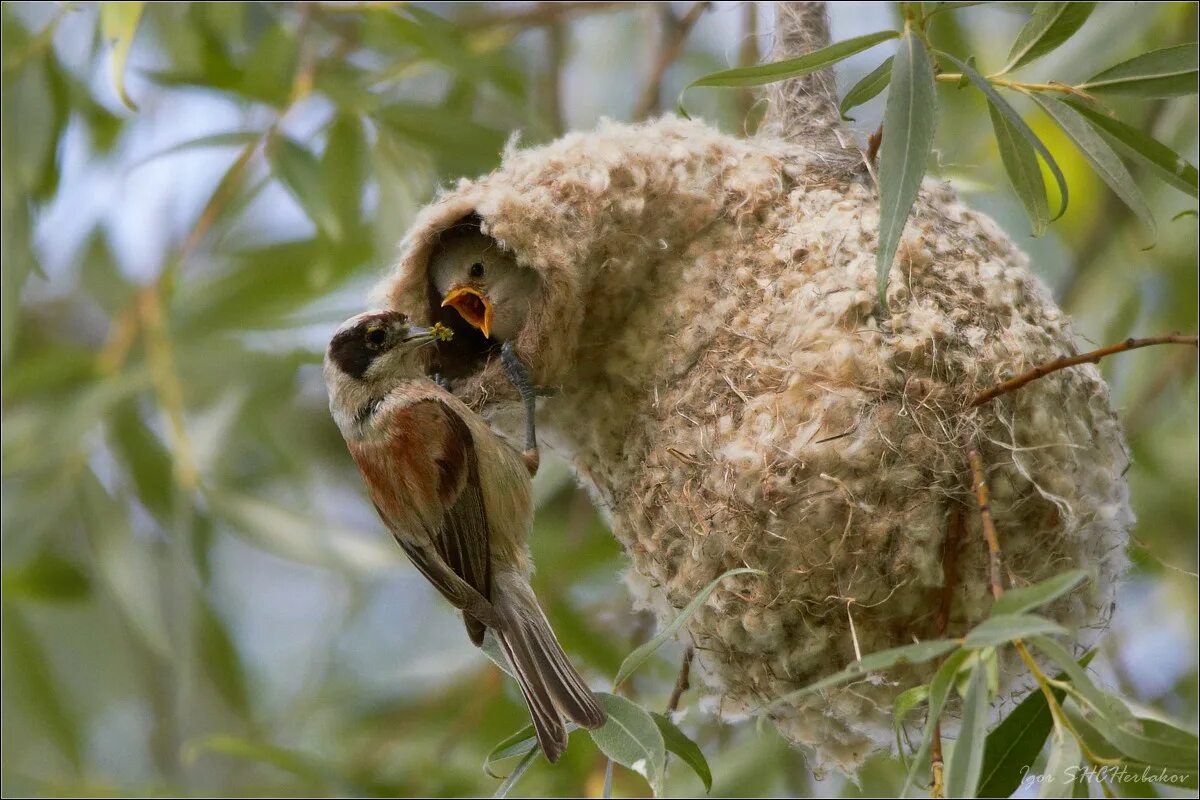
point(472, 305)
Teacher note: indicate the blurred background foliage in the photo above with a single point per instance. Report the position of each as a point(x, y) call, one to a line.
point(197, 598)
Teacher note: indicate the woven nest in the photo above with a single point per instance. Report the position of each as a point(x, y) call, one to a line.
point(732, 394)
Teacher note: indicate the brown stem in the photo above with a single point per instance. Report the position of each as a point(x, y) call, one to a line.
point(1012, 384)
point(989, 527)
point(682, 683)
point(937, 763)
point(748, 56)
point(556, 48)
point(543, 14)
point(672, 36)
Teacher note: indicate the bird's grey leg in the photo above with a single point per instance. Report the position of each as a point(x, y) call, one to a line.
point(440, 381)
point(519, 375)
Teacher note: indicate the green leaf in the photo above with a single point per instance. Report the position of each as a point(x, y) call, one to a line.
point(939, 7)
point(760, 74)
point(904, 703)
point(1057, 779)
point(689, 752)
point(218, 653)
point(29, 673)
point(907, 654)
point(1021, 166)
point(125, 564)
point(874, 83)
point(1014, 118)
point(1018, 601)
point(511, 746)
point(460, 145)
point(1169, 72)
point(1156, 743)
point(908, 125)
point(966, 760)
point(1003, 628)
point(48, 578)
point(214, 140)
point(118, 24)
point(343, 169)
point(144, 458)
point(1100, 155)
point(632, 739)
point(1050, 25)
point(1185, 776)
point(514, 776)
point(1016, 742)
point(641, 654)
point(299, 170)
point(1160, 159)
point(939, 692)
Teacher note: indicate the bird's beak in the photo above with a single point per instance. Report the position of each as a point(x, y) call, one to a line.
point(472, 305)
point(417, 333)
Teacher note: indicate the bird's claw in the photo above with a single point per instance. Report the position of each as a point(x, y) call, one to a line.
point(441, 381)
point(518, 374)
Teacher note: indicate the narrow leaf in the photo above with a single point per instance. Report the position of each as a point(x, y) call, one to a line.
point(218, 653)
point(908, 125)
point(1050, 25)
point(966, 760)
point(1021, 166)
point(939, 692)
point(306, 766)
point(47, 577)
point(689, 752)
point(641, 654)
point(118, 24)
point(1016, 742)
point(908, 654)
point(760, 74)
point(632, 739)
point(1003, 628)
point(1169, 72)
point(1014, 118)
point(1018, 601)
point(1160, 159)
point(1101, 156)
point(1057, 780)
point(299, 170)
point(514, 776)
point(867, 88)
point(215, 140)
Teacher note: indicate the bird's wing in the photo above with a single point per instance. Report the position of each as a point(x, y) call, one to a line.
point(430, 448)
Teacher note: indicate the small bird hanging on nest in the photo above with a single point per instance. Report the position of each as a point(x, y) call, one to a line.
point(457, 499)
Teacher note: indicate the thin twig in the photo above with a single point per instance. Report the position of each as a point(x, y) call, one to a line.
point(682, 683)
point(673, 34)
point(556, 57)
point(989, 527)
point(937, 763)
point(543, 14)
point(1012, 384)
point(748, 56)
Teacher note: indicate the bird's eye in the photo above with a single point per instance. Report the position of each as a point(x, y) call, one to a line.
point(476, 270)
point(376, 336)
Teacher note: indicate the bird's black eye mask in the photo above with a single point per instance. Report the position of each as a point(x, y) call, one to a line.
point(354, 349)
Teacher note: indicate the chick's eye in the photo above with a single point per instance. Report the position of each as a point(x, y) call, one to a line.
point(376, 336)
point(476, 270)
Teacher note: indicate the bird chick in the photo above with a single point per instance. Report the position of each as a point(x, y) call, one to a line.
point(458, 500)
point(472, 274)
point(480, 280)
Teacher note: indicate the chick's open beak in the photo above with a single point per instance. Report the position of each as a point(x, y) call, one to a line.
point(472, 305)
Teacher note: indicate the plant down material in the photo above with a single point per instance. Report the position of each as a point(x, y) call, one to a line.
point(732, 395)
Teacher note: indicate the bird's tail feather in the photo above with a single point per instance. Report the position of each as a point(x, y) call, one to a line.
point(548, 682)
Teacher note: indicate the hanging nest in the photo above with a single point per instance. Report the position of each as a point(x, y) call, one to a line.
point(731, 394)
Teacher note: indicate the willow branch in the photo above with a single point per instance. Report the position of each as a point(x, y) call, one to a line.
point(1012, 384)
point(803, 108)
point(671, 38)
point(989, 527)
point(543, 14)
point(683, 682)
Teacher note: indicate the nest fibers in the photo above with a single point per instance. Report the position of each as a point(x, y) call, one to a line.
point(731, 394)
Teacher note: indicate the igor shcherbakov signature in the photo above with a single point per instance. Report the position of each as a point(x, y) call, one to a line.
point(1116, 773)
